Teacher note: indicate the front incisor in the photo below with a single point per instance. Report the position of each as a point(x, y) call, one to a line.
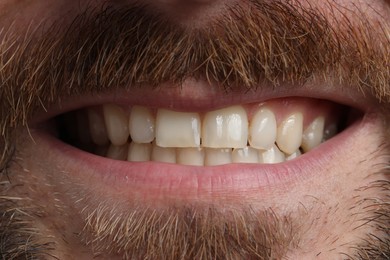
point(225, 128)
point(177, 129)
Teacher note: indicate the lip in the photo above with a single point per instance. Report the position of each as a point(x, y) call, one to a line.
point(162, 182)
point(202, 96)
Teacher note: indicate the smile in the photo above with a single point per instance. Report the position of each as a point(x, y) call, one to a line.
point(197, 147)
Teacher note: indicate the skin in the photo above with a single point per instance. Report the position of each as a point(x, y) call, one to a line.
point(340, 211)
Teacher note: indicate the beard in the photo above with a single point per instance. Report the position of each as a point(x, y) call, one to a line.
point(107, 49)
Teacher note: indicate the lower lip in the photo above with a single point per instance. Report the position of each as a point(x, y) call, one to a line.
point(154, 180)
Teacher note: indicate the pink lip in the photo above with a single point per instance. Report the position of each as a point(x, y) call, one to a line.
point(203, 97)
point(161, 181)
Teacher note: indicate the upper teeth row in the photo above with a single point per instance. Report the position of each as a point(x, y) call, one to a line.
point(223, 128)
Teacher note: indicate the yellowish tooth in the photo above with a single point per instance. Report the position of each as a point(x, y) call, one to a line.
point(177, 129)
point(313, 134)
point(141, 125)
point(225, 128)
point(161, 154)
point(273, 155)
point(117, 152)
point(217, 156)
point(245, 155)
point(139, 152)
point(116, 124)
point(293, 155)
point(262, 130)
point(97, 127)
point(190, 156)
point(289, 137)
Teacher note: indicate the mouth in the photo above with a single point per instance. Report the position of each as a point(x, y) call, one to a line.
point(274, 131)
point(191, 152)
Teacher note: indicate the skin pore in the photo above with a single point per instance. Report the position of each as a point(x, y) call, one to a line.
point(322, 50)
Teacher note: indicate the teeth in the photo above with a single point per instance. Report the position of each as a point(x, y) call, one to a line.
point(190, 156)
point(218, 156)
point(272, 155)
point(329, 132)
point(139, 152)
point(293, 155)
point(226, 127)
point(117, 152)
point(141, 125)
point(160, 154)
point(262, 130)
point(97, 127)
point(225, 136)
point(117, 124)
point(177, 129)
point(245, 155)
point(313, 135)
point(289, 136)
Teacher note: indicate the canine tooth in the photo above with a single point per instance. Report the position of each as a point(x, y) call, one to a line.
point(116, 123)
point(117, 152)
point(218, 156)
point(139, 152)
point(190, 156)
point(226, 127)
point(289, 136)
point(161, 154)
point(262, 130)
point(97, 127)
point(245, 155)
point(177, 129)
point(293, 155)
point(313, 134)
point(272, 155)
point(141, 125)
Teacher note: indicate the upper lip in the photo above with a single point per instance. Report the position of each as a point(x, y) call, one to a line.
point(203, 96)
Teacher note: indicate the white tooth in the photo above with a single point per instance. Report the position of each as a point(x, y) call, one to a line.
point(262, 130)
point(177, 129)
point(245, 155)
point(313, 134)
point(190, 156)
point(218, 156)
point(117, 152)
point(160, 154)
point(97, 127)
point(139, 152)
point(226, 127)
point(289, 136)
point(116, 124)
point(293, 155)
point(141, 125)
point(273, 155)
point(329, 132)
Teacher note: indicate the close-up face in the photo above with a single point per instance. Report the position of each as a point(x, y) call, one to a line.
point(195, 129)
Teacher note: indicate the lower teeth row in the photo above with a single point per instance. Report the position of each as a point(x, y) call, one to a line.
point(135, 152)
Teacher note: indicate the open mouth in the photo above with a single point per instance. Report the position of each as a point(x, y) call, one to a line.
point(275, 131)
point(182, 145)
